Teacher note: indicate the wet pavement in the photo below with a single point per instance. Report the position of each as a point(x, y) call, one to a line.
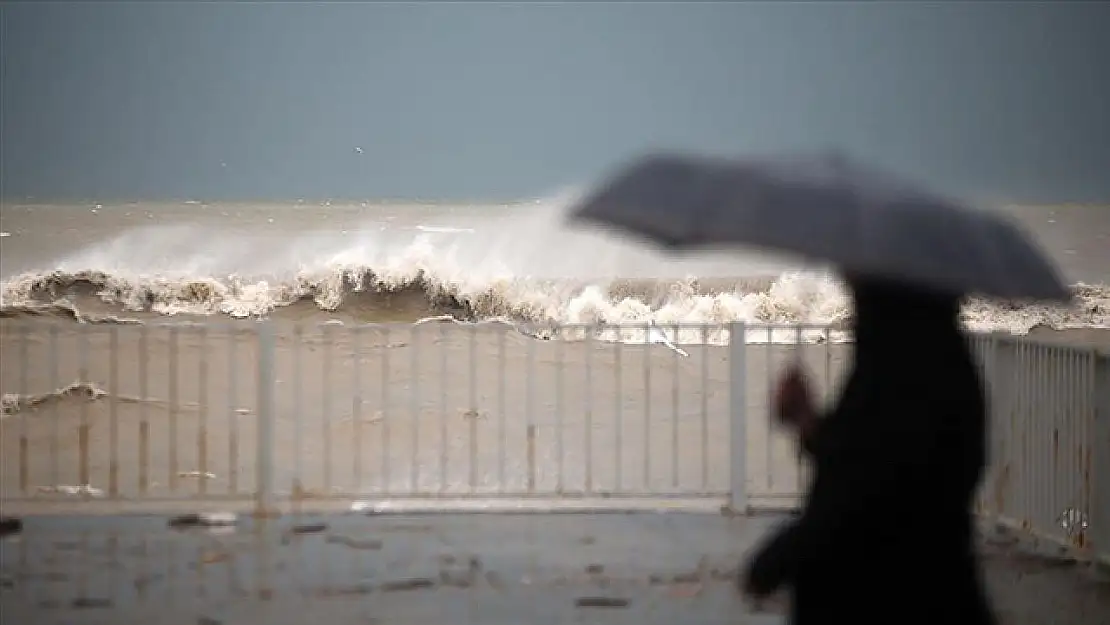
point(401, 567)
point(563, 568)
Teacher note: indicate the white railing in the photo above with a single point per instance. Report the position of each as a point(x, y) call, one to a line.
point(446, 415)
point(1050, 440)
point(435, 412)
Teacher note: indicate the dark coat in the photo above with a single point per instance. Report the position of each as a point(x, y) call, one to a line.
point(887, 533)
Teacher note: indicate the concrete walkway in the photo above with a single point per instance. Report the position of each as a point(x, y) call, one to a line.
point(474, 568)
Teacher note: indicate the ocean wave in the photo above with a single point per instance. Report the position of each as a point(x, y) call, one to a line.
point(62, 309)
point(371, 294)
point(12, 403)
point(486, 264)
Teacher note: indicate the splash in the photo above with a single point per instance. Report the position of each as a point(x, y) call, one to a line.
point(12, 403)
point(62, 309)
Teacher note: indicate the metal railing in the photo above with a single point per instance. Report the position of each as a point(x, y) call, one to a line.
point(1049, 435)
point(1050, 440)
point(442, 414)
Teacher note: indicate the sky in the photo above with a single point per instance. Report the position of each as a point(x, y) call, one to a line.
point(235, 100)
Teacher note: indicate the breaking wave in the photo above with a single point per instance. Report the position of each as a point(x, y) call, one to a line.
point(367, 295)
point(12, 403)
point(471, 271)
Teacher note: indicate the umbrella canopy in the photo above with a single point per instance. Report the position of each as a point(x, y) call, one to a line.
point(829, 209)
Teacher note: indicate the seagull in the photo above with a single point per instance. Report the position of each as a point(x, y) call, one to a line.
point(358, 150)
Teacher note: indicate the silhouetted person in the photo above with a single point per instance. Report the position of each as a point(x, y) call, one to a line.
point(887, 533)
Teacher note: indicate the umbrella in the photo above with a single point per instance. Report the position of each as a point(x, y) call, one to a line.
point(827, 208)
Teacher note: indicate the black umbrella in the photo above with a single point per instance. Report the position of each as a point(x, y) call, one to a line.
point(829, 209)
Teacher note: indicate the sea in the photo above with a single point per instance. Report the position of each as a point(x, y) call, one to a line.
point(517, 262)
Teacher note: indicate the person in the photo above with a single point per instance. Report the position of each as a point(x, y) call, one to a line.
point(887, 531)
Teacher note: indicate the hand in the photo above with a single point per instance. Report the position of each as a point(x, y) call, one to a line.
point(793, 406)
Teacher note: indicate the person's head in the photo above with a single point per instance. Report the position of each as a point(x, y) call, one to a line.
point(885, 311)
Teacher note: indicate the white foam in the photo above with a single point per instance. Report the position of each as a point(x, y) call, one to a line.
point(443, 229)
point(526, 268)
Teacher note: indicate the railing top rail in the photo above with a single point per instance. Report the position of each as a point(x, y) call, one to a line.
point(246, 325)
point(1038, 342)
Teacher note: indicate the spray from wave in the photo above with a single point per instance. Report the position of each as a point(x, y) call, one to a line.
point(520, 267)
point(12, 403)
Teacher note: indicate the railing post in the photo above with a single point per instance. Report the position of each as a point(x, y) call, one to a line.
point(997, 456)
point(264, 504)
point(738, 418)
point(1002, 490)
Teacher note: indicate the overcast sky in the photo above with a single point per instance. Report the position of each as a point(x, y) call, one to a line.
point(483, 101)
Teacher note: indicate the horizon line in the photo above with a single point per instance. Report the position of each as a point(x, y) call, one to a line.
point(412, 201)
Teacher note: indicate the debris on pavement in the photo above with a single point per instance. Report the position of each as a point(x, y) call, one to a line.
point(308, 528)
point(83, 490)
point(91, 603)
point(1074, 522)
point(214, 557)
point(366, 544)
point(684, 591)
point(204, 519)
point(10, 525)
point(416, 583)
point(458, 574)
point(601, 602)
point(331, 592)
point(197, 474)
